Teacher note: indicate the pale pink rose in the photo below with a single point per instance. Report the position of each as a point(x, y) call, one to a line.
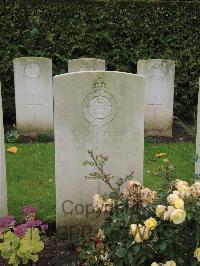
point(147, 196)
point(133, 192)
point(182, 186)
point(195, 189)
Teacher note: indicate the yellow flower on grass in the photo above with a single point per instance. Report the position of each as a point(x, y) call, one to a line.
point(161, 154)
point(165, 161)
point(12, 149)
point(177, 216)
point(197, 254)
point(151, 223)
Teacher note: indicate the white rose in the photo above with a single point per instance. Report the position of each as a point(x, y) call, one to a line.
point(167, 213)
point(160, 209)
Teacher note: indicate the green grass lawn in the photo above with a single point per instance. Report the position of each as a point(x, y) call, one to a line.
point(31, 178)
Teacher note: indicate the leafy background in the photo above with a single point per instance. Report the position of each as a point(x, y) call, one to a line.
point(119, 32)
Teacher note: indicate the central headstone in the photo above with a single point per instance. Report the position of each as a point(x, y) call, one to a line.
point(3, 184)
point(159, 95)
point(99, 111)
point(86, 64)
point(33, 95)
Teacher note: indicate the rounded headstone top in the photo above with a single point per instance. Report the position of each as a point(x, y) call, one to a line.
point(154, 60)
point(86, 59)
point(102, 73)
point(31, 58)
point(86, 64)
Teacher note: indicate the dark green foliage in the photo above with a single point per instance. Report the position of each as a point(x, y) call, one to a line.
point(119, 32)
point(44, 138)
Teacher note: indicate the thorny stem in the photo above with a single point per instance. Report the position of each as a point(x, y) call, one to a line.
point(105, 176)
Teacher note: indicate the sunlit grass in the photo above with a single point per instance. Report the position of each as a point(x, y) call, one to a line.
point(31, 177)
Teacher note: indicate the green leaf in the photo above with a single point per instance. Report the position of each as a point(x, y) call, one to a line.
point(121, 252)
point(163, 246)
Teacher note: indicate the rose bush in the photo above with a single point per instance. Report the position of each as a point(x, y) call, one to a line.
point(142, 227)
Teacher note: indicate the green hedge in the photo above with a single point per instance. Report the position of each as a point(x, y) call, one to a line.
point(119, 32)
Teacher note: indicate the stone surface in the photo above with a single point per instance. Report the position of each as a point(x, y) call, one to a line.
point(197, 163)
point(86, 64)
point(99, 111)
point(159, 95)
point(3, 184)
point(33, 95)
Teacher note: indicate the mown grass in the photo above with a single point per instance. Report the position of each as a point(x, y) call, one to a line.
point(31, 178)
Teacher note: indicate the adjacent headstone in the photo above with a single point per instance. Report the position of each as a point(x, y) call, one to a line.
point(197, 163)
point(33, 95)
point(159, 95)
point(99, 111)
point(86, 64)
point(3, 184)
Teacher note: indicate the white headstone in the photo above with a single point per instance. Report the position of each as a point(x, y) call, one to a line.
point(197, 163)
point(3, 184)
point(159, 95)
point(99, 111)
point(33, 95)
point(86, 64)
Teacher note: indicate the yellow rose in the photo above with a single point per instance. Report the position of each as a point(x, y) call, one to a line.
point(133, 229)
point(154, 264)
point(170, 263)
point(179, 182)
point(183, 188)
point(160, 209)
point(177, 216)
point(197, 254)
point(171, 198)
point(151, 223)
point(144, 233)
point(178, 204)
point(138, 238)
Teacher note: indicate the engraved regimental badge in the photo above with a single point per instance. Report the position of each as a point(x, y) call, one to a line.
point(99, 106)
point(32, 70)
